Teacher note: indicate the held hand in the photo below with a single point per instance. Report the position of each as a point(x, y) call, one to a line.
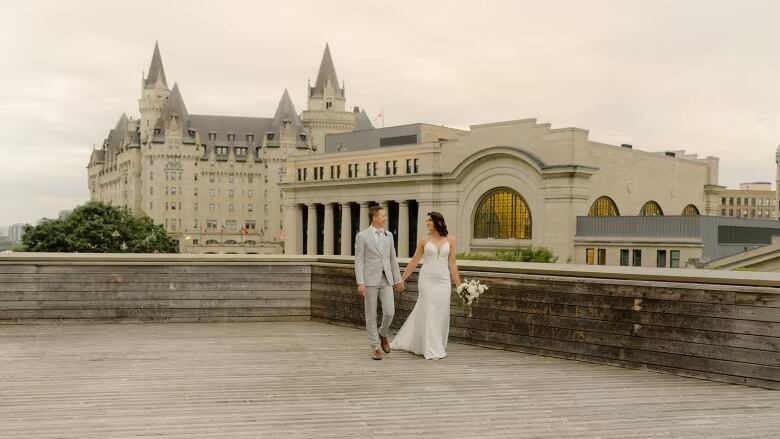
point(399, 287)
point(362, 291)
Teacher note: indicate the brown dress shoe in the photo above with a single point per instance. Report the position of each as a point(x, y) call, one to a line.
point(377, 354)
point(385, 344)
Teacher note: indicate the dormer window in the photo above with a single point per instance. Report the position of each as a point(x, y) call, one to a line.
point(286, 123)
point(212, 135)
point(156, 131)
point(231, 137)
point(328, 104)
point(191, 132)
point(250, 138)
point(302, 137)
point(269, 136)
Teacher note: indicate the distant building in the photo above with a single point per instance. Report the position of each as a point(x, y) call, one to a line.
point(668, 241)
point(15, 232)
point(751, 200)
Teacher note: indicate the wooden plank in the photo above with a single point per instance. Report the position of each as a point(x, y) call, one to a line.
point(135, 312)
point(133, 303)
point(157, 278)
point(256, 293)
point(279, 283)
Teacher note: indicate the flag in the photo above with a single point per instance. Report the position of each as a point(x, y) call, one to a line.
point(381, 114)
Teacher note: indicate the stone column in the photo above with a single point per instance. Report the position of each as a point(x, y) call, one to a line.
point(403, 229)
point(293, 228)
point(329, 224)
point(364, 215)
point(423, 207)
point(346, 229)
point(311, 230)
point(386, 206)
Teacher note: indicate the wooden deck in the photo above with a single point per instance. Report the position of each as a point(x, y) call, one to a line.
point(305, 379)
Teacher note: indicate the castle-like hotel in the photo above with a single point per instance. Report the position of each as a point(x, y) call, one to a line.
point(213, 181)
point(303, 183)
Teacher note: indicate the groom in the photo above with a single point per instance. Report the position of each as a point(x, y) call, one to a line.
point(376, 269)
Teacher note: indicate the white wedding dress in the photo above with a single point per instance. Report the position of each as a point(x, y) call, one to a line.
point(426, 330)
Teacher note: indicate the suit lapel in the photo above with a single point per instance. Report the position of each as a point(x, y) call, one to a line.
point(371, 236)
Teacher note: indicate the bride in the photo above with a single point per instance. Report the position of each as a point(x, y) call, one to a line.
point(425, 331)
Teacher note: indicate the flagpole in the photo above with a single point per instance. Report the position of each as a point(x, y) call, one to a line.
point(383, 117)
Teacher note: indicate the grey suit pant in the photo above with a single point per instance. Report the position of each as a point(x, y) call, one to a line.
point(385, 294)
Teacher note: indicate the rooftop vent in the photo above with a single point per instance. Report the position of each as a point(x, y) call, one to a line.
point(627, 145)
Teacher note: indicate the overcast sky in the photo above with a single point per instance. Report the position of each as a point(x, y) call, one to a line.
point(699, 75)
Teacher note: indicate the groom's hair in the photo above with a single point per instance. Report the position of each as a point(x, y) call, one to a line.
point(373, 211)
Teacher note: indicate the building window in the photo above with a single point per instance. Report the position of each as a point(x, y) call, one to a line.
point(368, 169)
point(415, 168)
point(408, 166)
point(212, 136)
point(723, 200)
point(195, 206)
point(151, 205)
point(250, 193)
point(212, 208)
point(624, 255)
point(502, 214)
point(211, 193)
point(250, 138)
point(304, 174)
point(300, 174)
point(660, 258)
point(374, 168)
point(230, 192)
point(230, 224)
point(315, 172)
point(637, 260)
point(249, 224)
point(151, 191)
point(603, 206)
point(211, 224)
point(674, 258)
point(731, 201)
point(231, 137)
point(232, 179)
point(338, 171)
point(395, 167)
point(690, 210)
point(602, 256)
point(240, 152)
point(332, 172)
point(250, 207)
point(590, 256)
point(350, 171)
point(651, 208)
point(387, 167)
point(230, 207)
point(739, 201)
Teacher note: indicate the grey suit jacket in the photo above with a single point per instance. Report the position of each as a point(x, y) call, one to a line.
point(370, 263)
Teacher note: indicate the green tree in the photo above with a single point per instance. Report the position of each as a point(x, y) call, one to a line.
point(99, 228)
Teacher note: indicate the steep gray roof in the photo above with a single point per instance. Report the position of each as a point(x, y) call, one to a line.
point(117, 136)
point(155, 69)
point(286, 111)
point(222, 125)
point(327, 73)
point(362, 121)
point(96, 157)
point(174, 105)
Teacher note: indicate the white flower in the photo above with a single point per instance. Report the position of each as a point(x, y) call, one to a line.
point(471, 289)
point(481, 289)
point(459, 289)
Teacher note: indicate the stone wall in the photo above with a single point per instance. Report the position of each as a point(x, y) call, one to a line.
point(65, 288)
point(706, 330)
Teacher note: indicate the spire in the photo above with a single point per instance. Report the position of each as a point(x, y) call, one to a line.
point(156, 70)
point(362, 121)
point(326, 74)
point(286, 111)
point(175, 105)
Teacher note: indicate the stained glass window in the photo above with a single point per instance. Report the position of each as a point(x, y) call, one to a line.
point(603, 206)
point(690, 210)
point(651, 208)
point(502, 214)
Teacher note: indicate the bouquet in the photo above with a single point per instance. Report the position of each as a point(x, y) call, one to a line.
point(469, 292)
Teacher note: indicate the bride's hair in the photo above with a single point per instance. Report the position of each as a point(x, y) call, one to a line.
point(438, 223)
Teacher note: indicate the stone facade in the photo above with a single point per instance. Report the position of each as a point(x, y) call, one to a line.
point(555, 175)
point(213, 181)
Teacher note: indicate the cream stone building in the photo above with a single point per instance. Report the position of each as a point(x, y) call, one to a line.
point(213, 181)
point(751, 200)
point(499, 185)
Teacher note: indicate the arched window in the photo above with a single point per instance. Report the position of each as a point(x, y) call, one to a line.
point(603, 206)
point(212, 242)
point(502, 214)
point(231, 242)
point(690, 210)
point(250, 242)
point(651, 208)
